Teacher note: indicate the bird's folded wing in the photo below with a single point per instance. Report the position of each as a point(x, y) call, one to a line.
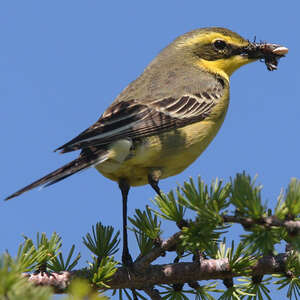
point(132, 119)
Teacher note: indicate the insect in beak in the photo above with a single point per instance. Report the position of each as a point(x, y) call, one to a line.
point(269, 53)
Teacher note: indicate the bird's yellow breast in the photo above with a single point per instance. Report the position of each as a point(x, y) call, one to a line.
point(169, 152)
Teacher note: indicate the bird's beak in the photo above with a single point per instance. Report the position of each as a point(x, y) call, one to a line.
point(270, 53)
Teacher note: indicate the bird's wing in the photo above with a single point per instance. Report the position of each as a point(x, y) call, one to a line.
point(132, 119)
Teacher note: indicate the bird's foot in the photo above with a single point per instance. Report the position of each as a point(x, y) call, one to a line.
point(127, 260)
point(128, 264)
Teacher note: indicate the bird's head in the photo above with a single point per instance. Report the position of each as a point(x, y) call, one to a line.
point(222, 51)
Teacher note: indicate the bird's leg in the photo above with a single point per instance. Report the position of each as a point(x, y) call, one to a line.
point(126, 257)
point(153, 179)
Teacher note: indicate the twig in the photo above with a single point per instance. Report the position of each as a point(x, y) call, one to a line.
point(271, 221)
point(165, 274)
point(143, 262)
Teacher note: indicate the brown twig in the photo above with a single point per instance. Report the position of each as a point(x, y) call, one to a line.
point(165, 274)
point(143, 262)
point(146, 275)
point(271, 221)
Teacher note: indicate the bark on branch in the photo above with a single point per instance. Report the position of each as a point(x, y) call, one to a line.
point(184, 272)
point(146, 276)
point(293, 227)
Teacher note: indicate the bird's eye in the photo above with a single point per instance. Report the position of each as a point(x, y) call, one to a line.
point(220, 45)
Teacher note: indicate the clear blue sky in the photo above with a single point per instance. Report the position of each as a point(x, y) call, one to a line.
point(63, 62)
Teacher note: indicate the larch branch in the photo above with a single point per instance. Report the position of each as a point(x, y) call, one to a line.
point(185, 272)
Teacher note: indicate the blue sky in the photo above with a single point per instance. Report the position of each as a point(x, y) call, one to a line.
point(63, 62)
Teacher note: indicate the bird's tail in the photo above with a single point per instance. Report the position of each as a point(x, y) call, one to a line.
point(79, 164)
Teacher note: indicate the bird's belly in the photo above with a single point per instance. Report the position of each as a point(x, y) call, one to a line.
point(170, 152)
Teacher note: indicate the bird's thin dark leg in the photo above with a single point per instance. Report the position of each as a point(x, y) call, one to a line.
point(126, 257)
point(153, 179)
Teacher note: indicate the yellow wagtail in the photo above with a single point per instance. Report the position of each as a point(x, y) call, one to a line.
point(166, 117)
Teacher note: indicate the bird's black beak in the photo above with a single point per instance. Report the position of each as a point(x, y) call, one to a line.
point(269, 53)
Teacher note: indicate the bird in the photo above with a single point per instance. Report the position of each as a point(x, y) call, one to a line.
point(163, 120)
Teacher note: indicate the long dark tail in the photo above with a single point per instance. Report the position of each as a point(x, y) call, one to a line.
point(81, 163)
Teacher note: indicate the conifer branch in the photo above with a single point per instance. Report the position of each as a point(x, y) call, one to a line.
point(184, 272)
point(271, 221)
